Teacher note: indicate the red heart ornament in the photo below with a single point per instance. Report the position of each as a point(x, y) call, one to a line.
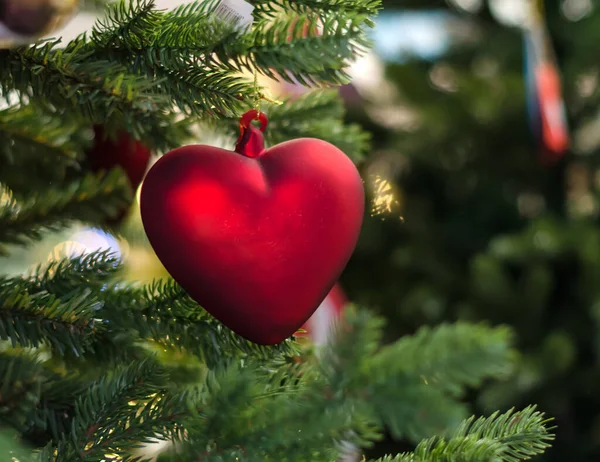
point(257, 237)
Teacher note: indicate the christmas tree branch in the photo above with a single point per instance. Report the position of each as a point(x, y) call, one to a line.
point(203, 92)
point(161, 312)
point(192, 34)
point(126, 24)
point(72, 83)
point(171, 48)
point(351, 139)
point(427, 377)
point(66, 79)
point(163, 45)
point(191, 28)
point(92, 199)
point(53, 414)
point(238, 420)
point(365, 9)
point(346, 385)
point(255, 412)
point(164, 313)
point(297, 119)
point(141, 62)
point(141, 38)
point(281, 51)
point(119, 411)
point(22, 373)
point(61, 277)
point(326, 103)
point(35, 398)
point(30, 320)
point(34, 132)
point(510, 437)
point(450, 356)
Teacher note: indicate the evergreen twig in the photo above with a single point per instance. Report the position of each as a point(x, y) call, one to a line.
point(91, 270)
point(164, 313)
point(22, 373)
point(30, 320)
point(34, 132)
point(510, 437)
point(118, 412)
point(365, 9)
point(91, 199)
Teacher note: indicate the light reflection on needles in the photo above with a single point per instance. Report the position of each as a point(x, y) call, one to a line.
point(385, 200)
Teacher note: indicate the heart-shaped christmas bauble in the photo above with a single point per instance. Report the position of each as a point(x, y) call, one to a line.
point(257, 237)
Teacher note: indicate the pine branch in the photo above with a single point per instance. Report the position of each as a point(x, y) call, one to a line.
point(243, 409)
point(364, 9)
point(145, 40)
point(318, 114)
point(449, 356)
point(62, 277)
point(121, 409)
point(161, 312)
point(510, 437)
point(20, 388)
point(30, 320)
point(73, 83)
point(421, 412)
point(33, 132)
point(44, 144)
point(52, 417)
point(34, 398)
point(238, 420)
point(64, 78)
point(281, 51)
point(170, 48)
point(91, 199)
point(327, 104)
point(164, 313)
point(140, 63)
point(200, 92)
point(126, 25)
point(435, 366)
point(193, 28)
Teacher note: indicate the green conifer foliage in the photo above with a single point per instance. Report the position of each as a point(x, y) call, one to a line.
point(488, 231)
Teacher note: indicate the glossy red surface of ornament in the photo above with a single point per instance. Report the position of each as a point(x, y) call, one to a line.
point(257, 237)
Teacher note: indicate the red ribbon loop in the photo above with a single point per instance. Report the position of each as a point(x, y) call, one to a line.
point(251, 115)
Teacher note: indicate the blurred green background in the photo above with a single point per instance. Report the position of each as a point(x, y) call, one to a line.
point(477, 228)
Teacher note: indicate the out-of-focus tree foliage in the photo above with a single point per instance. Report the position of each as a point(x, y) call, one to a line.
point(483, 230)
